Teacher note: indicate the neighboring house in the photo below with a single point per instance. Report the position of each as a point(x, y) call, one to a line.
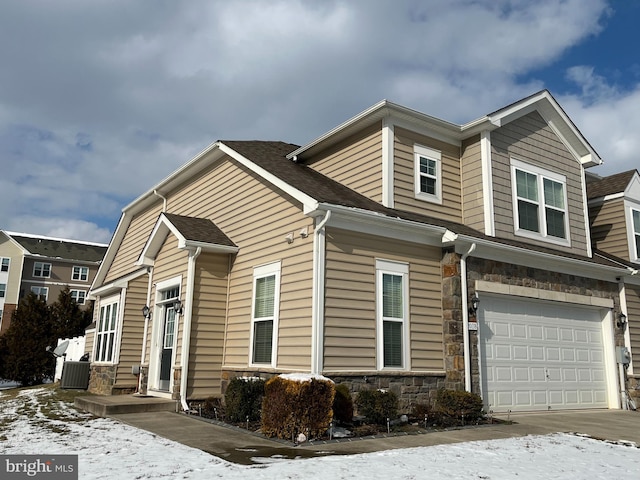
point(362, 256)
point(614, 209)
point(44, 266)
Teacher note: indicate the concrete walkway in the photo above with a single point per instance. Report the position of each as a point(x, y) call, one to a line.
point(239, 446)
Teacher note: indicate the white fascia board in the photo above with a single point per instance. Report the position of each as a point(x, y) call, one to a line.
point(309, 203)
point(207, 247)
point(600, 200)
point(116, 285)
point(7, 234)
point(538, 260)
point(155, 241)
point(397, 115)
point(372, 223)
point(114, 245)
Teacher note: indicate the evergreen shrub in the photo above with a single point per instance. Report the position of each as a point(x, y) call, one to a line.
point(243, 398)
point(377, 405)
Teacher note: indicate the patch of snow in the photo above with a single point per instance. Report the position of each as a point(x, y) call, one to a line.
point(108, 449)
point(304, 377)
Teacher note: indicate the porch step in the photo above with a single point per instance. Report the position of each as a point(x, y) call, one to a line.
point(105, 406)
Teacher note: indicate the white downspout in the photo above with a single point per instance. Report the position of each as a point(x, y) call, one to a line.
point(164, 200)
point(186, 331)
point(465, 318)
point(317, 302)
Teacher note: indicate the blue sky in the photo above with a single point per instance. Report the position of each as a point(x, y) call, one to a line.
point(100, 100)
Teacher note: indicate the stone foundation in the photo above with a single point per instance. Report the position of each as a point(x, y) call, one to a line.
point(101, 379)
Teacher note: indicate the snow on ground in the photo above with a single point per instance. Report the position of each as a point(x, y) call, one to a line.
point(31, 423)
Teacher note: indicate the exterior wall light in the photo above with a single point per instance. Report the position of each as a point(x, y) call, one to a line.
point(474, 302)
point(622, 320)
point(146, 312)
point(177, 306)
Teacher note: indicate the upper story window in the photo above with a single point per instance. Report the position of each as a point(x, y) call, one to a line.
point(41, 269)
point(392, 300)
point(264, 318)
point(41, 292)
point(3, 289)
point(428, 173)
point(636, 232)
point(80, 273)
point(540, 203)
point(4, 264)
point(79, 296)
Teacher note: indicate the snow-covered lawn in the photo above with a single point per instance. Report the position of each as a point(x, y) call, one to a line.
point(35, 421)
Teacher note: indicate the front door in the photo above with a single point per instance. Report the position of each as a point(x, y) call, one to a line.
point(166, 350)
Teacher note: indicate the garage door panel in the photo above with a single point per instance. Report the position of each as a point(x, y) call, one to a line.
point(537, 355)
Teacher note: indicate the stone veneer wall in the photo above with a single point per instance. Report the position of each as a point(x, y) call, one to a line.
point(102, 379)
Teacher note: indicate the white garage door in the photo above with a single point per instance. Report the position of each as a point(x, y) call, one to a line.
point(540, 356)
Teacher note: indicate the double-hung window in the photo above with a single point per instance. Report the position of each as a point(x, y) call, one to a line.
point(540, 203)
point(106, 332)
point(41, 270)
point(392, 305)
point(427, 174)
point(80, 274)
point(264, 318)
point(41, 292)
point(635, 214)
point(79, 296)
point(3, 289)
point(4, 264)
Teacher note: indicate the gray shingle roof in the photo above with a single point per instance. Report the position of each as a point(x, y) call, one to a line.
point(199, 230)
point(59, 248)
point(271, 157)
point(610, 185)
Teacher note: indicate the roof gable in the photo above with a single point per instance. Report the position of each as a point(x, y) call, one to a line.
point(611, 185)
point(191, 233)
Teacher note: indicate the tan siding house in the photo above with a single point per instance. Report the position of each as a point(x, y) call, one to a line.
point(383, 254)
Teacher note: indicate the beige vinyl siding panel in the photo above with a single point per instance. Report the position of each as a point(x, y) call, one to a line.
point(633, 314)
point(132, 332)
point(10, 250)
point(350, 312)
point(133, 243)
point(208, 325)
point(170, 263)
point(530, 140)
point(472, 191)
point(404, 176)
point(355, 162)
point(89, 339)
point(608, 228)
point(257, 217)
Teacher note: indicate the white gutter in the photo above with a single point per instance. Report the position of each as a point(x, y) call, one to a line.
point(186, 331)
point(317, 302)
point(164, 199)
point(465, 318)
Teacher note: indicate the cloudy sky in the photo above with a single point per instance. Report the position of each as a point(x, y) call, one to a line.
point(102, 99)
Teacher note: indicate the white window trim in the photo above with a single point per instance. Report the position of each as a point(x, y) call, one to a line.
point(393, 268)
point(422, 151)
point(261, 272)
point(542, 220)
point(8, 264)
point(84, 299)
point(79, 279)
point(630, 208)
point(43, 264)
point(40, 288)
point(112, 300)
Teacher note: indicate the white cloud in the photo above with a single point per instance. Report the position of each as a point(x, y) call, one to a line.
point(101, 100)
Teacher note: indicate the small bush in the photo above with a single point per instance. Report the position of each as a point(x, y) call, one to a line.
point(460, 404)
point(343, 404)
point(377, 405)
point(243, 399)
point(293, 406)
point(212, 407)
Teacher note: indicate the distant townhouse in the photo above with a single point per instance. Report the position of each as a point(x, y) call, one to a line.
point(44, 266)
